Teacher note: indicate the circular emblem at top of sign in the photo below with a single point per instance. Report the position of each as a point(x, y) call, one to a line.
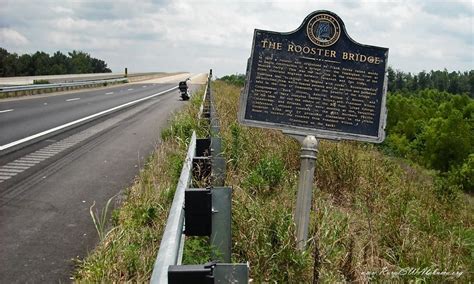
point(323, 30)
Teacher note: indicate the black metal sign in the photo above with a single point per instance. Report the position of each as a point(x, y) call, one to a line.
point(316, 81)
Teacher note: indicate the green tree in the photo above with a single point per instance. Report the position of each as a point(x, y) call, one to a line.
point(25, 66)
point(10, 65)
point(3, 55)
point(80, 62)
point(41, 63)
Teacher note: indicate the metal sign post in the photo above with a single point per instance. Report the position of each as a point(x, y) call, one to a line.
point(315, 82)
point(309, 151)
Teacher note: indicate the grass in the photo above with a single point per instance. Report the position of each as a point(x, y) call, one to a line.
point(374, 218)
point(100, 220)
point(128, 249)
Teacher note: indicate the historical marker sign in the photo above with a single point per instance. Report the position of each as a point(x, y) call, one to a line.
point(316, 81)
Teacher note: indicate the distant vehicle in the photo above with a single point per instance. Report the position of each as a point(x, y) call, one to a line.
point(183, 89)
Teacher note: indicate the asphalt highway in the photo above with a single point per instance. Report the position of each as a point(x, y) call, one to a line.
point(23, 118)
point(44, 205)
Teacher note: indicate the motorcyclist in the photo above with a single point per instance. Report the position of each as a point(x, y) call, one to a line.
point(183, 88)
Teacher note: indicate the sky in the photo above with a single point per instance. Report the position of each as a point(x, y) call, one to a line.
point(194, 36)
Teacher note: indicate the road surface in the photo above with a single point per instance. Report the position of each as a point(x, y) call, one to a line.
point(46, 188)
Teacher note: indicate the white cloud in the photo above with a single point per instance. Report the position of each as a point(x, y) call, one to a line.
point(12, 37)
point(62, 10)
point(197, 35)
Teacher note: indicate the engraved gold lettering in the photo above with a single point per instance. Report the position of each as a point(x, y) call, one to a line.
point(360, 58)
point(271, 44)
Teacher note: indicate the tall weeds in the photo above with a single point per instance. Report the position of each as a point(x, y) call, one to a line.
point(127, 252)
point(373, 217)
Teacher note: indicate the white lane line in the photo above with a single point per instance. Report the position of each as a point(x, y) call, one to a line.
point(7, 110)
point(29, 157)
point(2, 178)
point(143, 86)
point(38, 156)
point(109, 93)
point(28, 161)
point(15, 163)
point(8, 166)
point(74, 99)
point(8, 171)
point(29, 138)
point(56, 149)
point(130, 89)
point(43, 152)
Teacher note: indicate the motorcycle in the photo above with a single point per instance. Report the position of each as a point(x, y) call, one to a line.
point(183, 89)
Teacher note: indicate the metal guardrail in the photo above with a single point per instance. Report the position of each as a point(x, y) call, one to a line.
point(58, 85)
point(200, 212)
point(171, 244)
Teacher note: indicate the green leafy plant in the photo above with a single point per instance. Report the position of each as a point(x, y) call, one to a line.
point(268, 172)
point(100, 219)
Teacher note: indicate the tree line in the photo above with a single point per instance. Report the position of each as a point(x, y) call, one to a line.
point(435, 129)
point(452, 82)
point(41, 63)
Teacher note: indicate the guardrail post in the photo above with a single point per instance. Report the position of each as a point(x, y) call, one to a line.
point(197, 212)
point(221, 233)
point(218, 162)
point(207, 212)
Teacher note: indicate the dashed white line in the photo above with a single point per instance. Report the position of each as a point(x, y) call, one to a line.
point(40, 156)
point(21, 164)
point(28, 161)
point(143, 86)
point(74, 99)
point(29, 138)
point(6, 176)
point(130, 89)
point(7, 110)
point(8, 166)
point(8, 171)
point(44, 152)
point(109, 93)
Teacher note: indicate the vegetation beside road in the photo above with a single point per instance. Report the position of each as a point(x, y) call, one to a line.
point(129, 247)
point(372, 214)
point(430, 122)
point(41, 63)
